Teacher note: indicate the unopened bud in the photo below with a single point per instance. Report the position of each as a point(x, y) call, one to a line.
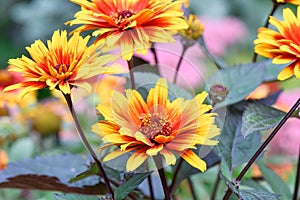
point(218, 93)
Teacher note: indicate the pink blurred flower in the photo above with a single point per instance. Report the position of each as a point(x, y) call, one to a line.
point(220, 33)
point(191, 71)
point(287, 140)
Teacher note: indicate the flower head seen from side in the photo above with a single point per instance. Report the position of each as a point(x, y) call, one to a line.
point(295, 2)
point(195, 29)
point(282, 45)
point(156, 126)
point(62, 64)
point(133, 25)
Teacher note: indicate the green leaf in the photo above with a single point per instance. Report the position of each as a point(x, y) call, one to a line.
point(93, 170)
point(253, 184)
point(259, 117)
point(22, 148)
point(241, 80)
point(147, 80)
point(249, 194)
point(233, 147)
point(124, 189)
point(276, 183)
point(272, 70)
point(74, 197)
point(51, 173)
point(257, 195)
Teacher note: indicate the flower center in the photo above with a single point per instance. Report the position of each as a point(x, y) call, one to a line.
point(62, 71)
point(121, 16)
point(154, 125)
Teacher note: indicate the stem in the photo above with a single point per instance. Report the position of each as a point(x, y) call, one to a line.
point(275, 6)
point(179, 64)
point(209, 55)
point(214, 193)
point(154, 54)
point(87, 145)
point(130, 67)
point(190, 182)
point(171, 188)
point(150, 187)
point(262, 147)
point(297, 179)
point(162, 176)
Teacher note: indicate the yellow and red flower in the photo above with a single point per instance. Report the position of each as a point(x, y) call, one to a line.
point(156, 126)
point(295, 2)
point(62, 65)
point(130, 24)
point(282, 45)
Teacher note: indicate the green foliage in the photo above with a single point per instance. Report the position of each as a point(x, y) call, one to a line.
point(233, 147)
point(276, 183)
point(132, 183)
point(241, 80)
point(249, 194)
point(259, 117)
point(50, 173)
point(74, 197)
point(147, 80)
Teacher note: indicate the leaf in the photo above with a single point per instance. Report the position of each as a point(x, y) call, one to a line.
point(186, 170)
point(259, 117)
point(249, 194)
point(253, 184)
point(24, 145)
point(93, 170)
point(147, 80)
point(51, 173)
point(74, 197)
point(124, 189)
point(272, 70)
point(257, 195)
point(233, 147)
point(241, 80)
point(276, 183)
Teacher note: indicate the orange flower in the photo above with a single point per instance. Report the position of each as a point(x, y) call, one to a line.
point(295, 2)
point(3, 159)
point(156, 126)
point(282, 45)
point(63, 65)
point(130, 24)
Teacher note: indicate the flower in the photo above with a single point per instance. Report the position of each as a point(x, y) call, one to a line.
point(195, 29)
point(282, 45)
point(63, 65)
point(130, 24)
point(3, 159)
point(156, 126)
point(295, 2)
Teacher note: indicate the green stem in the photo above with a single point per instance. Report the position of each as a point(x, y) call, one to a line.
point(87, 145)
point(262, 147)
point(275, 6)
point(130, 67)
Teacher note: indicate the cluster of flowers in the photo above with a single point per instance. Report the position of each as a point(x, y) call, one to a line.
point(152, 125)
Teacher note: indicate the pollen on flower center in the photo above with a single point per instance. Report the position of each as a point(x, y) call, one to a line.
point(121, 16)
point(62, 71)
point(155, 124)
